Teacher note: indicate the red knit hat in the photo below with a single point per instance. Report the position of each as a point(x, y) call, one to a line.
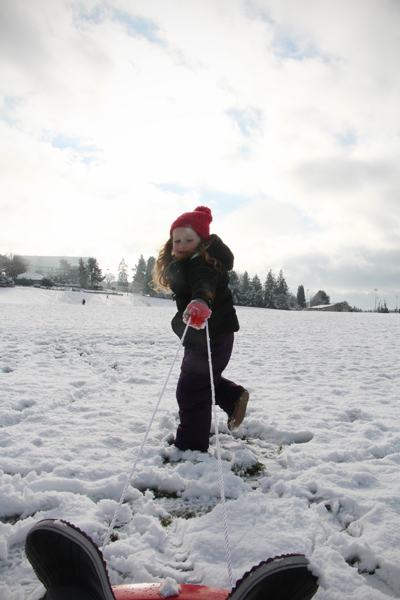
point(199, 220)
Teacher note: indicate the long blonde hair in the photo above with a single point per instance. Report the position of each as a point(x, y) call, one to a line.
point(166, 257)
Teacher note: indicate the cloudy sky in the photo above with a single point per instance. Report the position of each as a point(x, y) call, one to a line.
point(281, 115)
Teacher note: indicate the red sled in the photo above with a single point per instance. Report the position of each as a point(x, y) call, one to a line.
point(70, 565)
point(151, 591)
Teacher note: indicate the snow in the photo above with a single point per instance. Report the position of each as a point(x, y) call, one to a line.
point(79, 385)
point(169, 588)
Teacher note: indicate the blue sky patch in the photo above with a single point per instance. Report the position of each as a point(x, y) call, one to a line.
point(308, 224)
point(95, 15)
point(285, 45)
point(64, 141)
point(256, 12)
point(86, 152)
point(244, 151)
point(217, 200)
point(248, 120)
point(348, 138)
point(9, 104)
point(136, 26)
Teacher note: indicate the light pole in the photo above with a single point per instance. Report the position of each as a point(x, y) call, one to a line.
point(375, 289)
point(307, 299)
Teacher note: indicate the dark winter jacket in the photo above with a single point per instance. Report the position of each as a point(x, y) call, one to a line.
point(194, 277)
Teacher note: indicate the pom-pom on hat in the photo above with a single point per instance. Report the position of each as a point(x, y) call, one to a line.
point(199, 220)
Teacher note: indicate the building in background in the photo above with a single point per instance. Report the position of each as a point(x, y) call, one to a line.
point(48, 265)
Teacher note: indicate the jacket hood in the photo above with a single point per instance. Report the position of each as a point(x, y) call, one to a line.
point(220, 251)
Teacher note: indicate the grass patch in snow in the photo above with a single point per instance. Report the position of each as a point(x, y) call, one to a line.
point(182, 514)
point(11, 520)
point(253, 470)
point(166, 521)
point(160, 494)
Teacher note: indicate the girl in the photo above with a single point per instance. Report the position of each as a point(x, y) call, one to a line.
point(195, 265)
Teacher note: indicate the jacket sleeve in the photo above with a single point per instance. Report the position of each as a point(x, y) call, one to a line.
point(203, 279)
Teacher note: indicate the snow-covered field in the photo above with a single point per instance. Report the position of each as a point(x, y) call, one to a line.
point(315, 467)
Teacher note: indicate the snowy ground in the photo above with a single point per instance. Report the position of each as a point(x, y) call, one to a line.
point(78, 386)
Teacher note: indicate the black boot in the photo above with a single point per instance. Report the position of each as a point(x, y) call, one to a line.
point(280, 578)
point(67, 562)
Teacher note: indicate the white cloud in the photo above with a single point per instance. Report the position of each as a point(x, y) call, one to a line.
point(291, 108)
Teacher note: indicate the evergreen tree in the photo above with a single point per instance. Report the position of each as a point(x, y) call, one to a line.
point(256, 292)
point(245, 288)
point(235, 287)
point(148, 289)
point(281, 293)
point(83, 274)
point(301, 297)
point(281, 285)
point(382, 307)
point(292, 301)
point(269, 288)
point(281, 302)
point(139, 276)
point(94, 272)
point(123, 274)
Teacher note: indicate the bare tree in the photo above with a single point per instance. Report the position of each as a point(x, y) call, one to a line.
point(13, 265)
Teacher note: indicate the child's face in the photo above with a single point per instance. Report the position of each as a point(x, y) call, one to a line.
point(185, 242)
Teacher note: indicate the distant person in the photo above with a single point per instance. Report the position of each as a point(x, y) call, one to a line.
point(195, 265)
point(71, 567)
point(84, 301)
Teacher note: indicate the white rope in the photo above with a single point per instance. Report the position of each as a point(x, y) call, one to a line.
point(220, 476)
point(114, 519)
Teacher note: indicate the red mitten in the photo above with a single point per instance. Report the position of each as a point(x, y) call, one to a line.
point(198, 313)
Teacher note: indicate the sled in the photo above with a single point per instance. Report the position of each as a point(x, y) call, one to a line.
point(151, 591)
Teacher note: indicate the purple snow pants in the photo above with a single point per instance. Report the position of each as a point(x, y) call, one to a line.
point(193, 392)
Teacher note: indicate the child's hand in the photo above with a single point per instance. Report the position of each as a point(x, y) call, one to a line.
point(198, 313)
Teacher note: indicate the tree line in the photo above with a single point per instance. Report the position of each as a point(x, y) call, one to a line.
point(273, 293)
point(246, 291)
point(87, 274)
